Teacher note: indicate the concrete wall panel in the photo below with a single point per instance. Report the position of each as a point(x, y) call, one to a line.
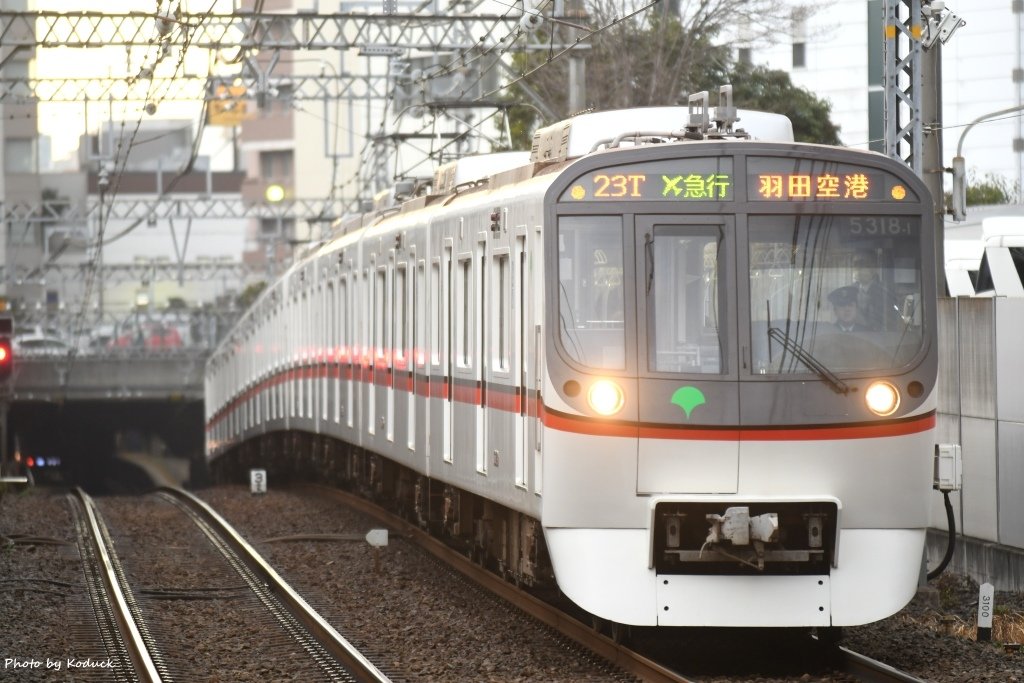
point(977, 358)
point(949, 361)
point(1011, 483)
point(1009, 328)
point(980, 511)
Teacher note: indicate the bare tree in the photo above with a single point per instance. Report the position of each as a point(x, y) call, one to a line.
point(652, 53)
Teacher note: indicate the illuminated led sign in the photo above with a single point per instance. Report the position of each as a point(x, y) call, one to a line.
point(712, 179)
point(683, 180)
point(774, 179)
point(804, 186)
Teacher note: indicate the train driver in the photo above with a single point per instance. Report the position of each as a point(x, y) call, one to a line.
point(844, 305)
point(877, 308)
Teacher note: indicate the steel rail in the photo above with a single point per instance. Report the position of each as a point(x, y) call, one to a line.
point(622, 657)
point(131, 636)
point(873, 671)
point(333, 642)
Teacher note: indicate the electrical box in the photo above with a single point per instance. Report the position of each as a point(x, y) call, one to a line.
point(949, 467)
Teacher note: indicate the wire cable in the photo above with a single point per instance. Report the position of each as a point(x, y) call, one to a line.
point(951, 542)
point(560, 53)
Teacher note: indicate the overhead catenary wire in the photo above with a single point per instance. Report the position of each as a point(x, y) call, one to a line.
point(190, 162)
point(950, 127)
point(547, 62)
point(93, 264)
point(462, 61)
point(563, 51)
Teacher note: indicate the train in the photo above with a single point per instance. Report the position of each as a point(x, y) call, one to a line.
point(618, 362)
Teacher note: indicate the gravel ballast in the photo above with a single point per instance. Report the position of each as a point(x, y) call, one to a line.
point(419, 620)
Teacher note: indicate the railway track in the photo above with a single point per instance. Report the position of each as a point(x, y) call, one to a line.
point(854, 665)
point(129, 652)
point(622, 657)
point(872, 671)
point(292, 611)
point(139, 636)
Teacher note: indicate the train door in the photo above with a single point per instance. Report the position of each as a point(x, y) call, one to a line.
point(519, 354)
point(384, 347)
point(533, 354)
point(374, 326)
point(415, 312)
point(348, 352)
point(686, 341)
point(327, 346)
point(394, 351)
point(447, 318)
point(479, 339)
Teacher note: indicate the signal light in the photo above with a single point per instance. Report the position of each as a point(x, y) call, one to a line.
point(6, 358)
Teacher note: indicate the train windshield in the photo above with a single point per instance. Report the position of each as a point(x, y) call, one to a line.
point(843, 289)
point(591, 314)
point(681, 286)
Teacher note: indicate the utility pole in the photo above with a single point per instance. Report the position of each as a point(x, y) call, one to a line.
point(577, 90)
point(915, 31)
point(102, 183)
point(932, 169)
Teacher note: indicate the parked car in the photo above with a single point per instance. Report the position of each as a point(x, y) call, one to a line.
point(40, 342)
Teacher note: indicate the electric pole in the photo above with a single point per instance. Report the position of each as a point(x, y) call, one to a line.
point(915, 31)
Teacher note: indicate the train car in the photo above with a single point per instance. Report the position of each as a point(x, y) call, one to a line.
point(689, 374)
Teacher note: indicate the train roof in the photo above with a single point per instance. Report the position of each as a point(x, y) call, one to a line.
point(585, 133)
point(560, 143)
point(476, 167)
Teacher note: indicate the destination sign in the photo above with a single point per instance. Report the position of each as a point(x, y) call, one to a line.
point(766, 179)
point(773, 179)
point(683, 180)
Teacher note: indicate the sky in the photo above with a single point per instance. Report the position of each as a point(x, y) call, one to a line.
point(64, 123)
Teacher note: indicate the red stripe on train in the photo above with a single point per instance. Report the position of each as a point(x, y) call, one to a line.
point(508, 399)
point(596, 427)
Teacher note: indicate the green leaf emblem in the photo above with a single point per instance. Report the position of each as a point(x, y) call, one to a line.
point(688, 398)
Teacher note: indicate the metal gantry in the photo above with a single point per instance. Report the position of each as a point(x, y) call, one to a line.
point(267, 31)
point(465, 45)
point(190, 88)
point(65, 212)
point(155, 271)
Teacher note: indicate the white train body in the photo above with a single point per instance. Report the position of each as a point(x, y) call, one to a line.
point(740, 478)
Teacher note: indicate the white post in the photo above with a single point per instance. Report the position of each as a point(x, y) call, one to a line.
point(257, 481)
point(985, 605)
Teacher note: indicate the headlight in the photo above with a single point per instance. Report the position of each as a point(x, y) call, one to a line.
point(882, 398)
point(605, 397)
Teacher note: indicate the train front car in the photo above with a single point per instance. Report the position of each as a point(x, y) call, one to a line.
point(739, 405)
